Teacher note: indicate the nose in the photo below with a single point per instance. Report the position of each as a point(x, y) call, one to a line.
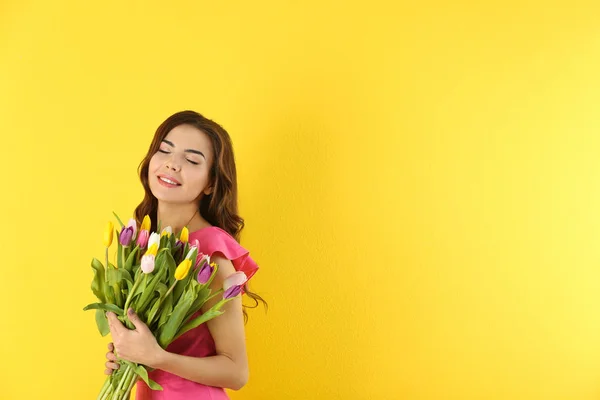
point(172, 164)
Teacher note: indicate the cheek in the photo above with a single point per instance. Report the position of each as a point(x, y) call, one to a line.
point(154, 164)
point(197, 179)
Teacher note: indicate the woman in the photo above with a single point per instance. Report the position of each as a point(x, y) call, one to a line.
point(189, 177)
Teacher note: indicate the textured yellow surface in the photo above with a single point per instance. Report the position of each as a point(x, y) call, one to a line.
point(420, 182)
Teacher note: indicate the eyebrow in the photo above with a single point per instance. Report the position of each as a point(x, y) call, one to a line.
point(186, 150)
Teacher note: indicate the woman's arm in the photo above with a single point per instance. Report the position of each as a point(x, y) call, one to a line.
point(229, 367)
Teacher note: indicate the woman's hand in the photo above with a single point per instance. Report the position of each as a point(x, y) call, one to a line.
point(112, 363)
point(138, 345)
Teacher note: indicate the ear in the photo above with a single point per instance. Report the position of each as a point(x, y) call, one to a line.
point(208, 190)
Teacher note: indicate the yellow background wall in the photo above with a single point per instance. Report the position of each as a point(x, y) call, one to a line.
point(421, 186)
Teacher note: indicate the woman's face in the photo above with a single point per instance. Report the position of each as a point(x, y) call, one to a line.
point(179, 171)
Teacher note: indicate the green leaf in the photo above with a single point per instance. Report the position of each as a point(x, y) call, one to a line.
point(129, 287)
point(176, 319)
point(186, 249)
point(141, 371)
point(117, 275)
point(153, 385)
point(148, 293)
point(207, 316)
point(171, 267)
point(118, 219)
point(202, 294)
point(152, 313)
point(104, 306)
point(98, 280)
point(162, 243)
point(161, 288)
point(102, 322)
point(110, 294)
point(165, 312)
point(130, 259)
point(179, 288)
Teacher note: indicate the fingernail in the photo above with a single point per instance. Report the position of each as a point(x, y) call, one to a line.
point(130, 311)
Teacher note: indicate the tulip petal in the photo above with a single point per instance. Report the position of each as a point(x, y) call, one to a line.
point(148, 263)
point(133, 225)
point(232, 292)
point(145, 223)
point(183, 269)
point(205, 273)
point(236, 279)
point(154, 239)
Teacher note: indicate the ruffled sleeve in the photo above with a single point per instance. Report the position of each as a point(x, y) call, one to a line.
point(213, 240)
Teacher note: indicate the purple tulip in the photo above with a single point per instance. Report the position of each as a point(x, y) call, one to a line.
point(142, 240)
point(233, 284)
point(232, 292)
point(126, 235)
point(205, 273)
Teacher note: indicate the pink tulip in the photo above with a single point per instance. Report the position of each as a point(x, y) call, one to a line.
point(147, 263)
point(142, 240)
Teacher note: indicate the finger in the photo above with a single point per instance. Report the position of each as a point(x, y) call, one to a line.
point(113, 322)
point(111, 347)
point(111, 356)
point(108, 371)
point(111, 365)
point(136, 321)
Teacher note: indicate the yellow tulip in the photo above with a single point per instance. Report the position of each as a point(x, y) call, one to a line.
point(184, 235)
point(152, 250)
point(108, 234)
point(183, 269)
point(145, 223)
point(166, 232)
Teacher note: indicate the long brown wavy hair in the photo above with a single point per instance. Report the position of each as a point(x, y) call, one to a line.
point(220, 208)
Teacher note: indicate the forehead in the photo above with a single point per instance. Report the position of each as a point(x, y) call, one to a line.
point(190, 137)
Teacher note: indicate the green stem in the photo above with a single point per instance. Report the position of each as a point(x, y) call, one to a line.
point(213, 295)
point(108, 390)
point(106, 266)
point(168, 292)
point(130, 387)
point(124, 379)
point(104, 388)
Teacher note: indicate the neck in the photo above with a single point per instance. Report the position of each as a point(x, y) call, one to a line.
point(177, 215)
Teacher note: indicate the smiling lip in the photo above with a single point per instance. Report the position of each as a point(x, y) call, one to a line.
point(173, 182)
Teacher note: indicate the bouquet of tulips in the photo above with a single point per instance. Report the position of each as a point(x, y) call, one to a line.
point(152, 276)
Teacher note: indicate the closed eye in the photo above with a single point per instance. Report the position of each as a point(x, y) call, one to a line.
point(168, 152)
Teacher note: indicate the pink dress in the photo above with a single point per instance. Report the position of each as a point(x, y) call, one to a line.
point(198, 342)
